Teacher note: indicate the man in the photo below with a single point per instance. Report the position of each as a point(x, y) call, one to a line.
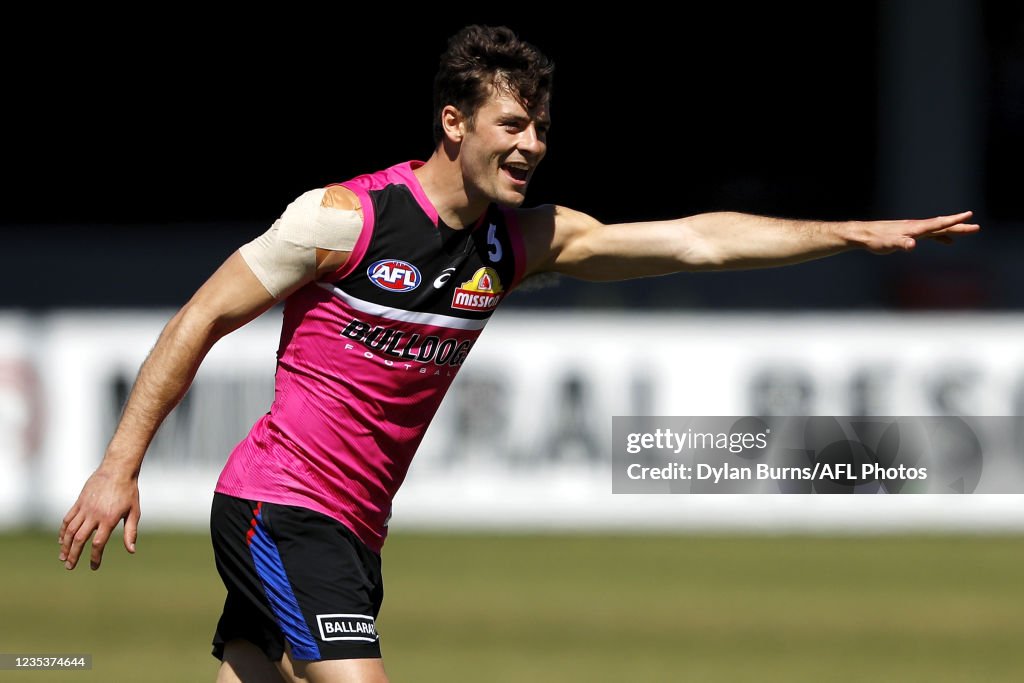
point(389, 279)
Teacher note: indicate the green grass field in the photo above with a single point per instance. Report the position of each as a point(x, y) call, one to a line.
point(568, 608)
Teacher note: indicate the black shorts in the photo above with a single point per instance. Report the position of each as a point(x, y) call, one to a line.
point(294, 575)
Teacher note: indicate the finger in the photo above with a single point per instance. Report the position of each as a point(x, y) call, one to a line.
point(64, 522)
point(99, 542)
point(956, 217)
point(938, 223)
point(68, 531)
point(131, 529)
point(953, 230)
point(962, 228)
point(959, 227)
point(952, 218)
point(78, 541)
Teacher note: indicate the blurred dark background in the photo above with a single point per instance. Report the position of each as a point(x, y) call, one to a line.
point(138, 155)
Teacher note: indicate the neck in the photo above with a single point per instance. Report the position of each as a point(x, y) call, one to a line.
point(442, 181)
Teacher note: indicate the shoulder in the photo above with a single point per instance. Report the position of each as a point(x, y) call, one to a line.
point(336, 197)
point(325, 218)
point(332, 208)
point(339, 197)
point(547, 229)
point(553, 218)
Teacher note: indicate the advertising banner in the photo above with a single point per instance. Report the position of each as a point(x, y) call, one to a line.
point(526, 439)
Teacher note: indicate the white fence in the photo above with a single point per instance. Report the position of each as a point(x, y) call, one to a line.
point(524, 438)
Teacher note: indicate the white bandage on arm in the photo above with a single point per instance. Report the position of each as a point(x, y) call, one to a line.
point(285, 255)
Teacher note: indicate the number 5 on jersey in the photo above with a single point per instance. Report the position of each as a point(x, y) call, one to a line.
point(494, 246)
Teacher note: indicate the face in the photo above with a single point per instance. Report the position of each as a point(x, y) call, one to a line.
point(502, 147)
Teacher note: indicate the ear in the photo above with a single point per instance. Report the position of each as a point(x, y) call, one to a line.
point(453, 123)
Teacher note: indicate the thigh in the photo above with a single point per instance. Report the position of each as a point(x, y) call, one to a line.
point(243, 662)
point(341, 670)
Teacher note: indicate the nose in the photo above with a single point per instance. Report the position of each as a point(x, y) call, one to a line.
point(531, 143)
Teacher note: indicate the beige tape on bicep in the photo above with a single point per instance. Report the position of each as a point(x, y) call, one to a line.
point(285, 255)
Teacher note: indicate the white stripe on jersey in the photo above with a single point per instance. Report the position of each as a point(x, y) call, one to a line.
point(434, 319)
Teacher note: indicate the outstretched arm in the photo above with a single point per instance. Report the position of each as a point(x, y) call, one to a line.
point(570, 242)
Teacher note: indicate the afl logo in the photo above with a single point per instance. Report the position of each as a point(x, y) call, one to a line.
point(394, 276)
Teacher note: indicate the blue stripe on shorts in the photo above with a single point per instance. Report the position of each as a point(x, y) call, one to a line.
point(282, 600)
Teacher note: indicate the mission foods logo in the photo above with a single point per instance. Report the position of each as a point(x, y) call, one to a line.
point(394, 276)
point(346, 627)
point(482, 293)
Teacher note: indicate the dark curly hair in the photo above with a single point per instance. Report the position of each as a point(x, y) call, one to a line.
point(481, 56)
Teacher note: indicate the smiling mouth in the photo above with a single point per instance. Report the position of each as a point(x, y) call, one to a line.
point(519, 174)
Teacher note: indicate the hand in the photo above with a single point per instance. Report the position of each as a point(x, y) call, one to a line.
point(106, 499)
point(885, 237)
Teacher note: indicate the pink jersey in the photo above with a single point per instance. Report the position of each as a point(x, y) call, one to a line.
point(367, 355)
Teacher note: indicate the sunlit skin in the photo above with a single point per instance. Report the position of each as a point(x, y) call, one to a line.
point(489, 158)
point(502, 148)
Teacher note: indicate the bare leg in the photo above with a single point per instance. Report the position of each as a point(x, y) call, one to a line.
point(245, 663)
point(341, 671)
